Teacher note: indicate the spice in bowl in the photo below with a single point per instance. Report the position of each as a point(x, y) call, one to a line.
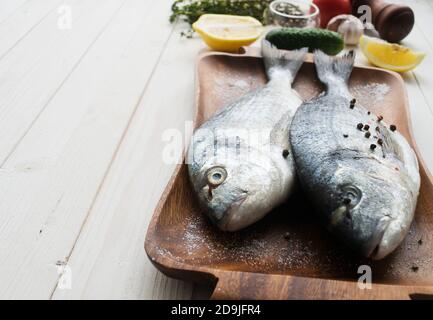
point(293, 13)
point(288, 8)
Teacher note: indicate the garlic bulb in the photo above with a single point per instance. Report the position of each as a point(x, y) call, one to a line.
point(350, 27)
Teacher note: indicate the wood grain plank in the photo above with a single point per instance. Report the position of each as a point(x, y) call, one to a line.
point(22, 21)
point(415, 96)
point(418, 82)
point(36, 68)
point(8, 8)
point(420, 39)
point(423, 19)
point(109, 260)
point(48, 184)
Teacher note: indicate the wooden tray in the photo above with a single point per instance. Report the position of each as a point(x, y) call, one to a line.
point(282, 256)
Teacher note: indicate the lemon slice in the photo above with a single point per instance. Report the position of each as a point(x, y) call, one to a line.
point(390, 55)
point(227, 32)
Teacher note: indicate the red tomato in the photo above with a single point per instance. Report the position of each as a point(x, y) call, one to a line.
point(331, 8)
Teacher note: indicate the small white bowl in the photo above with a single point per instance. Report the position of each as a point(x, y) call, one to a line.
point(310, 16)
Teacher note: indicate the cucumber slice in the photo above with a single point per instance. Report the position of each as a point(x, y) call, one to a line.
point(295, 38)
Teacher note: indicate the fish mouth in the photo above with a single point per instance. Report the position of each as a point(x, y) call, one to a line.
point(225, 223)
point(374, 248)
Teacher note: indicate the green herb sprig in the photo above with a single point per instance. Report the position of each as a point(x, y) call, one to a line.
point(190, 10)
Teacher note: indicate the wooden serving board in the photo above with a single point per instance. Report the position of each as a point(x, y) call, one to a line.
point(287, 256)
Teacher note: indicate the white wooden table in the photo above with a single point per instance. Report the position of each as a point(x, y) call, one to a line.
point(87, 87)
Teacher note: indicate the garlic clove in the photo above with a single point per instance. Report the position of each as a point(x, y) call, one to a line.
point(335, 22)
point(350, 27)
point(351, 32)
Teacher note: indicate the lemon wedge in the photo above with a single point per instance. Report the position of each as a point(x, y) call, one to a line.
point(390, 55)
point(227, 32)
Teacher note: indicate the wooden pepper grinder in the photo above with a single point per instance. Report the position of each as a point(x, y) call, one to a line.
point(393, 21)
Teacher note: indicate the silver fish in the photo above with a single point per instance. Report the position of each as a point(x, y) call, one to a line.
point(362, 175)
point(240, 162)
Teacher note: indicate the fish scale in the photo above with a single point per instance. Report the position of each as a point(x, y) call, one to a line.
point(263, 106)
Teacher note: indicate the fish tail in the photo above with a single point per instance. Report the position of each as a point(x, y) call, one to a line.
point(282, 62)
point(334, 70)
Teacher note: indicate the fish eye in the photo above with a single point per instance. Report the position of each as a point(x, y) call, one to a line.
point(216, 176)
point(351, 195)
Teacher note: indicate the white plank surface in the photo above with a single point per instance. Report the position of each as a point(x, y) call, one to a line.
point(33, 71)
point(111, 245)
point(419, 82)
point(29, 255)
point(22, 21)
point(82, 113)
point(52, 177)
point(9, 7)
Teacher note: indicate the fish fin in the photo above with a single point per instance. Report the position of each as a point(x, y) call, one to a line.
point(409, 159)
point(280, 133)
point(395, 143)
point(279, 62)
point(333, 69)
